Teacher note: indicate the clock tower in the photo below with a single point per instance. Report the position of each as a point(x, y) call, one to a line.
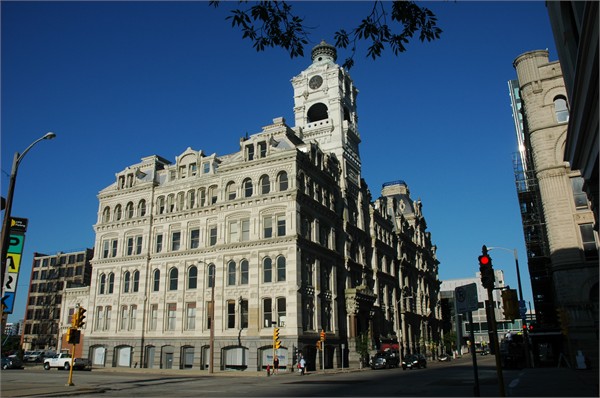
point(325, 109)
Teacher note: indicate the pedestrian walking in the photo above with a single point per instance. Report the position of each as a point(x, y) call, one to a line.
point(302, 366)
point(276, 365)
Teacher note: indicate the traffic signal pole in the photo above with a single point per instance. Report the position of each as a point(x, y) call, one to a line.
point(494, 335)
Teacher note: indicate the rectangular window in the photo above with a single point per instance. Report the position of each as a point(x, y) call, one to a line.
point(107, 319)
point(194, 238)
point(281, 311)
point(213, 235)
point(267, 227)
point(153, 317)
point(190, 316)
point(206, 168)
point(99, 318)
point(245, 230)
point(171, 316)
point(175, 241)
point(579, 196)
point(159, 243)
point(129, 246)
point(233, 231)
point(230, 314)
point(133, 317)
point(114, 248)
point(138, 245)
point(267, 312)
point(124, 318)
point(280, 225)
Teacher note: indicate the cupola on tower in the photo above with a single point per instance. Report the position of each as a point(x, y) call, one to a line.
point(325, 109)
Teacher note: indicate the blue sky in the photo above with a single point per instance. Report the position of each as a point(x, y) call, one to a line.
point(118, 81)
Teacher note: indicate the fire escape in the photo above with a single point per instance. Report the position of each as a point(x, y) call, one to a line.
point(536, 241)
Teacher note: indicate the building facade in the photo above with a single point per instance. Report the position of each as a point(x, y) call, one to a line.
point(50, 276)
point(562, 245)
point(219, 251)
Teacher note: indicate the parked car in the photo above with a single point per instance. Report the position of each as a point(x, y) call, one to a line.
point(11, 362)
point(415, 361)
point(82, 364)
point(385, 360)
point(33, 356)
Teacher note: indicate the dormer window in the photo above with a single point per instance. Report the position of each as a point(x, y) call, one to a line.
point(262, 149)
point(249, 152)
point(206, 168)
point(193, 169)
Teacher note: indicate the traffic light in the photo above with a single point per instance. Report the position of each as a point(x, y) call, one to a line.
point(322, 335)
point(74, 319)
point(510, 304)
point(276, 341)
point(486, 269)
point(73, 336)
point(80, 320)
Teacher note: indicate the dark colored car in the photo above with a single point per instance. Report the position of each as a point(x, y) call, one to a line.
point(385, 360)
point(11, 362)
point(415, 361)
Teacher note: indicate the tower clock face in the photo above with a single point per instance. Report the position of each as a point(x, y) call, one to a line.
point(315, 82)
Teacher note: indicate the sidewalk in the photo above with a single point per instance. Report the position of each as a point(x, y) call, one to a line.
point(554, 382)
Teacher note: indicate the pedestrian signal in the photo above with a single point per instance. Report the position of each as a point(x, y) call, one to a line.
point(80, 317)
point(510, 304)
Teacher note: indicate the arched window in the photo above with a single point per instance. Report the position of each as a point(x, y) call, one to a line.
point(191, 199)
point(317, 112)
point(180, 201)
point(173, 278)
point(102, 284)
point(247, 184)
point(136, 281)
point(231, 273)
point(210, 281)
point(156, 281)
point(192, 277)
point(111, 283)
point(561, 110)
point(129, 210)
point(267, 270)
point(142, 208)
point(171, 203)
point(160, 205)
point(244, 272)
point(282, 181)
point(118, 212)
point(280, 269)
point(230, 190)
point(106, 214)
point(126, 281)
point(202, 197)
point(265, 184)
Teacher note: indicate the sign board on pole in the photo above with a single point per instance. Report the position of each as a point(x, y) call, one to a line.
point(18, 226)
point(466, 298)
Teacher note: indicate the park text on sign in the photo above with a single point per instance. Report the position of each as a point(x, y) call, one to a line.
point(18, 226)
point(466, 298)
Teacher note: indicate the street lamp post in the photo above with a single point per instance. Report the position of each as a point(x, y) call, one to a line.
point(9, 199)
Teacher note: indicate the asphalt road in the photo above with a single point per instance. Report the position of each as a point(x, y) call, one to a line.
point(443, 379)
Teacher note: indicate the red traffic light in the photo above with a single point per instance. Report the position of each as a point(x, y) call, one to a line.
point(484, 260)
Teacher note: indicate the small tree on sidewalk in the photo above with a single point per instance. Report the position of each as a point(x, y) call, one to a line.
point(362, 347)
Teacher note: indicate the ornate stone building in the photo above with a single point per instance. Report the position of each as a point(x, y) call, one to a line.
point(562, 245)
point(217, 251)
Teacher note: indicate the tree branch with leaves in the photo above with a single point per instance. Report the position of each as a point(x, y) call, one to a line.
point(269, 24)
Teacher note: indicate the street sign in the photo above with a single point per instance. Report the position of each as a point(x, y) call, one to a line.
point(466, 298)
point(522, 309)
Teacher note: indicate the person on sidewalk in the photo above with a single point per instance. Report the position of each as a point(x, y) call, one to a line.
point(302, 366)
point(276, 365)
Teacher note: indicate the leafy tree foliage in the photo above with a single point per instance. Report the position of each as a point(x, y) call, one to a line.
point(389, 25)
